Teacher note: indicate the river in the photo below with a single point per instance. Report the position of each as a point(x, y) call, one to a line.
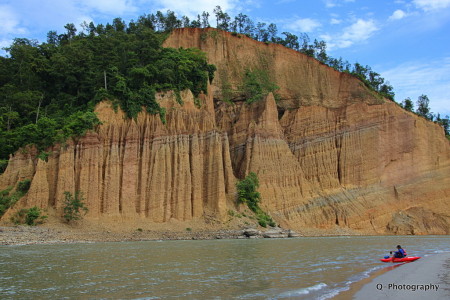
point(295, 268)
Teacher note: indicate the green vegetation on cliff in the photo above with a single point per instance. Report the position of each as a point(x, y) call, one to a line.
point(74, 206)
point(48, 90)
point(257, 84)
point(8, 197)
point(29, 216)
point(248, 194)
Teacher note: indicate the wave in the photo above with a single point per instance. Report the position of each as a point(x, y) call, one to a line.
point(302, 291)
point(342, 287)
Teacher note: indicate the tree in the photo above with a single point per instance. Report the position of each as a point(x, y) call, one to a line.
point(261, 32)
point(205, 20)
point(387, 90)
point(248, 194)
point(291, 41)
point(71, 31)
point(408, 104)
point(52, 38)
point(247, 191)
point(185, 22)
point(222, 18)
point(240, 21)
point(446, 124)
point(360, 71)
point(119, 24)
point(219, 13)
point(375, 80)
point(321, 53)
point(171, 21)
point(272, 30)
point(74, 206)
point(423, 108)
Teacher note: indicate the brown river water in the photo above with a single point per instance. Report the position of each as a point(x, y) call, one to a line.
point(295, 268)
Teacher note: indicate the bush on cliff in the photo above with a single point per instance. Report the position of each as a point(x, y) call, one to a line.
point(257, 84)
point(74, 207)
point(248, 194)
point(8, 199)
point(30, 216)
point(247, 191)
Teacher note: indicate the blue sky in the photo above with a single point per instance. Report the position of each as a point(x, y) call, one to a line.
point(406, 41)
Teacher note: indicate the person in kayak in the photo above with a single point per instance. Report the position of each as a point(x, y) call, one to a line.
point(400, 253)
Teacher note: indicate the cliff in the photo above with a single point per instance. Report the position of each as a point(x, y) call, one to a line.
point(302, 79)
point(330, 154)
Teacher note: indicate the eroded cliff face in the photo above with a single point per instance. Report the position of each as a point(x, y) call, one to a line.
point(302, 79)
point(329, 155)
point(137, 168)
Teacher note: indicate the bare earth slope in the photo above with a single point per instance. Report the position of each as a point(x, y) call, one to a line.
point(330, 154)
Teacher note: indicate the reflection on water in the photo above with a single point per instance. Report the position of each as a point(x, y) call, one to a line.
point(300, 268)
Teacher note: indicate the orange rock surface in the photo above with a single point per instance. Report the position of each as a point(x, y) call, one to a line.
point(330, 154)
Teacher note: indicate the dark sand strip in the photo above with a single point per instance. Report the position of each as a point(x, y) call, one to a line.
point(427, 278)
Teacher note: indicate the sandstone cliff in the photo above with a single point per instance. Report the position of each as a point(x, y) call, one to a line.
point(330, 154)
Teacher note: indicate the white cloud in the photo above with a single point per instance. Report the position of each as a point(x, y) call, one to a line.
point(412, 79)
point(304, 25)
point(4, 44)
point(111, 7)
point(335, 21)
point(193, 7)
point(359, 31)
point(9, 23)
point(397, 15)
point(431, 5)
point(333, 3)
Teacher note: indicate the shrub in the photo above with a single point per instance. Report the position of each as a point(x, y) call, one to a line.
point(33, 216)
point(4, 200)
point(7, 200)
point(264, 219)
point(30, 216)
point(248, 194)
point(257, 84)
point(3, 165)
point(73, 206)
point(24, 186)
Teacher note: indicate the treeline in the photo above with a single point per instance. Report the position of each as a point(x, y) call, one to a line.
point(48, 90)
point(267, 33)
point(423, 110)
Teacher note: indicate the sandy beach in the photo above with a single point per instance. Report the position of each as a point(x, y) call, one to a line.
point(427, 278)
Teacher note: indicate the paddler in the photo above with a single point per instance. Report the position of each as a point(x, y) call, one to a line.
point(400, 253)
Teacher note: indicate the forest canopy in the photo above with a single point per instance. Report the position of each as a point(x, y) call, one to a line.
point(48, 90)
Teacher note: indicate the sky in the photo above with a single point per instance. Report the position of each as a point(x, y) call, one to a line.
point(406, 41)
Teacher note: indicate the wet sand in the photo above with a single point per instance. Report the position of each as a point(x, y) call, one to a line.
point(427, 278)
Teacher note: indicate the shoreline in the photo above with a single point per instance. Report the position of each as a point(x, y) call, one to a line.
point(34, 235)
point(86, 231)
point(27, 235)
point(94, 233)
point(426, 278)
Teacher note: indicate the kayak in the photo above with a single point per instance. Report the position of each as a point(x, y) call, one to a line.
point(404, 259)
